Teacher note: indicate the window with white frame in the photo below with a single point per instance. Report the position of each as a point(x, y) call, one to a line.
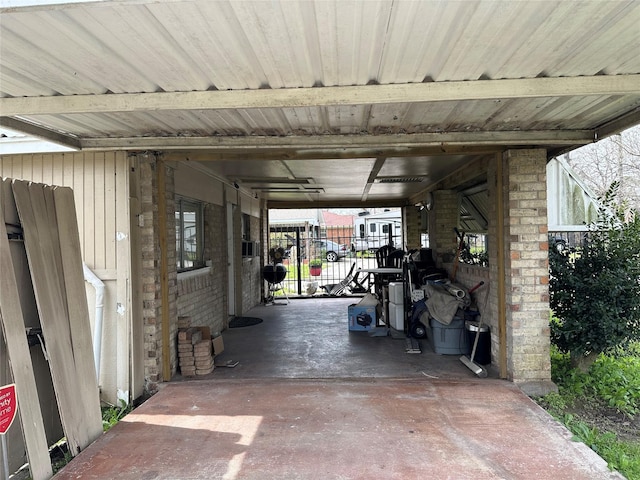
point(189, 234)
point(246, 227)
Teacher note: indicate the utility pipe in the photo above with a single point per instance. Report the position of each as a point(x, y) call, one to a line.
point(98, 285)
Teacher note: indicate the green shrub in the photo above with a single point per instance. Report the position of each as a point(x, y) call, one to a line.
point(595, 288)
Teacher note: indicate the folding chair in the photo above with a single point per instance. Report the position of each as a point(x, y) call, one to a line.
point(335, 289)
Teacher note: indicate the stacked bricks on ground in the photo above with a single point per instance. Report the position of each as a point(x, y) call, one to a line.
point(195, 351)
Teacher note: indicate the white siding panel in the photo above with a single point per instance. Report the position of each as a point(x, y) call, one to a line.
point(100, 184)
point(99, 216)
point(88, 201)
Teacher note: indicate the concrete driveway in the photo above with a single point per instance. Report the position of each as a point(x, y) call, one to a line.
point(310, 400)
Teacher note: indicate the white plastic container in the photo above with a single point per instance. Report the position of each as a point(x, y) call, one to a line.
point(395, 293)
point(396, 316)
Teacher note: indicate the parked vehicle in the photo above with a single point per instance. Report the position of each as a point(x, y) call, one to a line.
point(331, 250)
point(375, 230)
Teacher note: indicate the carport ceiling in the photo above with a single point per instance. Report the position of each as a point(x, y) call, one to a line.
point(331, 102)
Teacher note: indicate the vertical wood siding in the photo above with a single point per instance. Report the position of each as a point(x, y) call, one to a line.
point(100, 182)
point(93, 177)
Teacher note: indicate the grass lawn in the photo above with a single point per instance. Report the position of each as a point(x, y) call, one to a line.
point(602, 407)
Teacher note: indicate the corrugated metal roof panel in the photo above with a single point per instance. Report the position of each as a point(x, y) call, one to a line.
point(185, 46)
point(474, 212)
point(105, 48)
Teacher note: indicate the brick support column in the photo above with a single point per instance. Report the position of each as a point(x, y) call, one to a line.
point(151, 286)
point(526, 270)
point(442, 220)
point(412, 221)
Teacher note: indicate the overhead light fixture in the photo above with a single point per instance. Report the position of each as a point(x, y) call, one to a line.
point(270, 189)
point(288, 189)
point(279, 180)
point(397, 179)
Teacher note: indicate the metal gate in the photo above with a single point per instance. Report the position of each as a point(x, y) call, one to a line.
point(316, 256)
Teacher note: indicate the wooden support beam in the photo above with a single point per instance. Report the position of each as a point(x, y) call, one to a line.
point(502, 308)
point(340, 146)
point(164, 269)
point(599, 85)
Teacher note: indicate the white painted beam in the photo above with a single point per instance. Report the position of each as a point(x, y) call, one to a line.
point(39, 132)
point(602, 85)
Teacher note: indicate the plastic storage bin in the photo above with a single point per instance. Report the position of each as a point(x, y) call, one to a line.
point(396, 293)
point(396, 316)
point(449, 339)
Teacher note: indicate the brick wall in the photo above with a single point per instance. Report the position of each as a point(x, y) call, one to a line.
point(202, 294)
point(412, 221)
point(202, 299)
point(469, 276)
point(442, 221)
point(216, 252)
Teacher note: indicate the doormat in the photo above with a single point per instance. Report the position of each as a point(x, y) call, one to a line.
point(238, 322)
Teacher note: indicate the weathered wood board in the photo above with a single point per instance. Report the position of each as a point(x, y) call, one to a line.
point(69, 241)
point(76, 400)
point(13, 328)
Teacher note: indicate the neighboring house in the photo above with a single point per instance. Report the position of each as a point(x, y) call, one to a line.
point(337, 227)
point(304, 219)
point(374, 230)
point(571, 204)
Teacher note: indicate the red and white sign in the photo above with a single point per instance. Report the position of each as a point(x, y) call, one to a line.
point(8, 407)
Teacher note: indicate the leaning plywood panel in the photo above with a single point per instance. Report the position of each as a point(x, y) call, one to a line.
point(104, 238)
point(43, 252)
point(78, 309)
point(13, 328)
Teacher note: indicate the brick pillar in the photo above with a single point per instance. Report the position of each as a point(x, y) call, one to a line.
point(443, 218)
point(172, 274)
point(412, 221)
point(527, 270)
point(151, 288)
